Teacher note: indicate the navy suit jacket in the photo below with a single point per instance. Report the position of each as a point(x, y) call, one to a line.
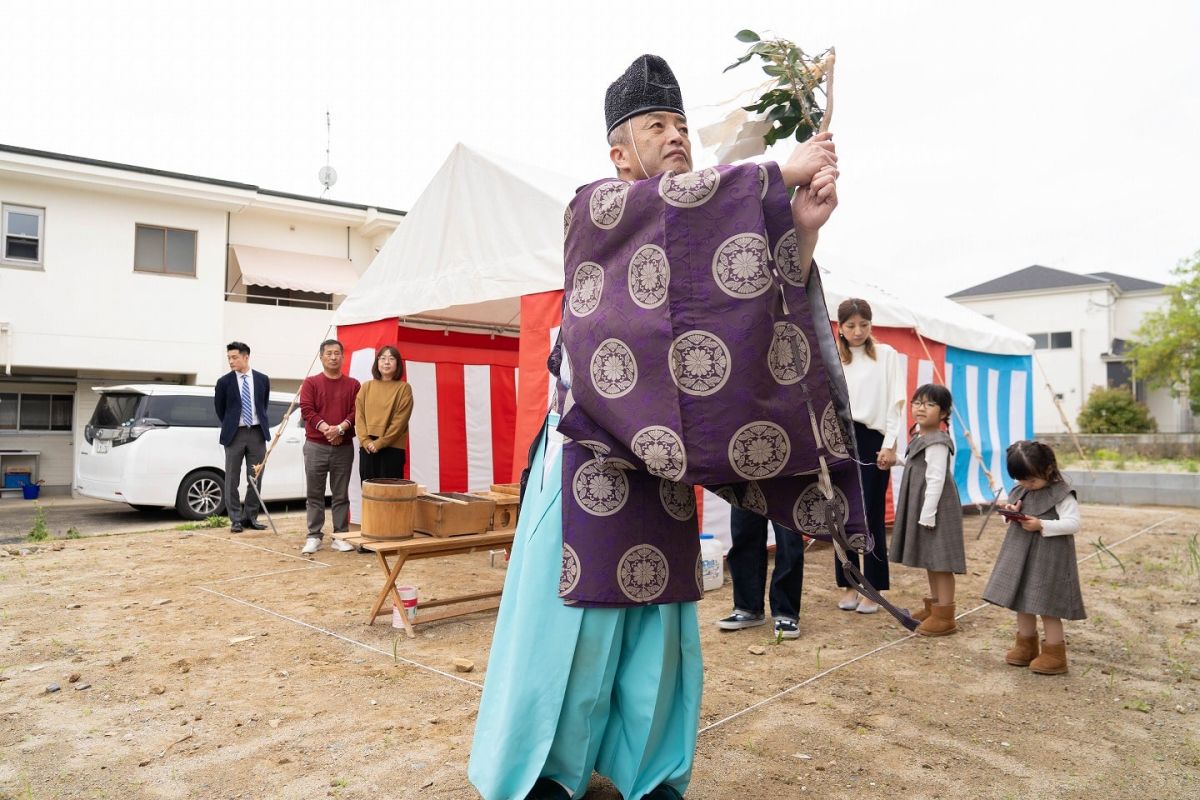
point(228, 401)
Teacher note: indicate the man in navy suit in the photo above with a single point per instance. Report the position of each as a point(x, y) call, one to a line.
point(244, 432)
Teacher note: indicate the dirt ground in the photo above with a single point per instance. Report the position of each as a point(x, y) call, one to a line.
point(214, 666)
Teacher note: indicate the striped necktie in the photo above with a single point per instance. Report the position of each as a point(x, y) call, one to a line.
point(247, 408)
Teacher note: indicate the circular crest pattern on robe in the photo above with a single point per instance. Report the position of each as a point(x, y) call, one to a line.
point(754, 500)
point(642, 573)
point(689, 189)
point(740, 266)
point(614, 370)
point(787, 258)
point(568, 216)
point(788, 342)
point(661, 450)
point(569, 576)
point(764, 182)
point(586, 289)
point(832, 433)
point(607, 204)
point(700, 363)
point(649, 276)
point(759, 450)
point(679, 499)
point(809, 511)
point(700, 572)
point(600, 489)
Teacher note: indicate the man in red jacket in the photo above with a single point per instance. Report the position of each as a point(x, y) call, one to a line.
point(327, 406)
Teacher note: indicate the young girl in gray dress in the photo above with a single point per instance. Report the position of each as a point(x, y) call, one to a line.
point(928, 532)
point(1036, 573)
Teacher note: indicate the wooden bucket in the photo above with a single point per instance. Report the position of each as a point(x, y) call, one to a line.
point(388, 506)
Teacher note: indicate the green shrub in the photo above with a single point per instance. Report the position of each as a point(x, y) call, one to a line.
point(1115, 411)
point(1104, 454)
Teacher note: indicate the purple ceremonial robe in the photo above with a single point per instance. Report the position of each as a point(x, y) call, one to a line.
point(696, 357)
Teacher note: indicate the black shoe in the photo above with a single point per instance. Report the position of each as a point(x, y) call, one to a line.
point(254, 524)
point(786, 628)
point(235, 527)
point(735, 622)
point(664, 792)
point(546, 789)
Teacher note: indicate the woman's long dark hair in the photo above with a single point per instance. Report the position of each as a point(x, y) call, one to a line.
point(387, 348)
point(1029, 459)
point(847, 309)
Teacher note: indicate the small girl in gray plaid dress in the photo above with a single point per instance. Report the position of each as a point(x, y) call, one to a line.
point(928, 532)
point(1036, 573)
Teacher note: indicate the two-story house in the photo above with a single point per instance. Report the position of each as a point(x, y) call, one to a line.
point(112, 274)
point(1080, 325)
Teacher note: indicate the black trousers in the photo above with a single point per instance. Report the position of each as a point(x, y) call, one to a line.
point(387, 463)
point(747, 562)
point(874, 565)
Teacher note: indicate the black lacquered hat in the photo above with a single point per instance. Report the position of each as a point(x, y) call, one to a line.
point(648, 85)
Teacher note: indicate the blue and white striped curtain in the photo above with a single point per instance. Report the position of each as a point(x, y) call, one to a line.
point(994, 398)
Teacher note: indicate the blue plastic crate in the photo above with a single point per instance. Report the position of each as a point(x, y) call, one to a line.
point(17, 480)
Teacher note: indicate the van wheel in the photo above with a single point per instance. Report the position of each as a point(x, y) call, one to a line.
point(144, 509)
point(201, 495)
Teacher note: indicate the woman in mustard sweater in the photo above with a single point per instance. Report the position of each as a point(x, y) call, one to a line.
point(381, 415)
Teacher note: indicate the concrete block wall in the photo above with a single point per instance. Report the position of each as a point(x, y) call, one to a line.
point(1136, 488)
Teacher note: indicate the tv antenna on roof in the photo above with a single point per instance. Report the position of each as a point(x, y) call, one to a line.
point(327, 174)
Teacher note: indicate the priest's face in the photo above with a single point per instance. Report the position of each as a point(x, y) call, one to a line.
point(660, 143)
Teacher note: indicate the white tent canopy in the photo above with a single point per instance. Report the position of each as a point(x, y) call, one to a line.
point(938, 319)
point(485, 231)
point(488, 230)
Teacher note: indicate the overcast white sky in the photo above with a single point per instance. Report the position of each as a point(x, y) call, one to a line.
point(975, 138)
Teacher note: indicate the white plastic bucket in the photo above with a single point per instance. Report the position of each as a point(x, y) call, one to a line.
point(712, 562)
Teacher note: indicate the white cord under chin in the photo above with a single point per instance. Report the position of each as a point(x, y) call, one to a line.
point(636, 154)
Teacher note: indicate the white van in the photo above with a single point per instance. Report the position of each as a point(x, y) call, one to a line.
point(155, 445)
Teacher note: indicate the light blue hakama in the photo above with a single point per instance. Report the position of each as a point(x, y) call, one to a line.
point(570, 690)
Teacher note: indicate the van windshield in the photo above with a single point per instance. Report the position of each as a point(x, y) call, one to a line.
point(115, 410)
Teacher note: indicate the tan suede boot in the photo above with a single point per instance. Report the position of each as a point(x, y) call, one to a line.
point(921, 616)
point(1052, 661)
point(940, 622)
point(1025, 650)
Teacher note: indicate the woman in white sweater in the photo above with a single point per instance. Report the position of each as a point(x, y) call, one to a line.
point(877, 406)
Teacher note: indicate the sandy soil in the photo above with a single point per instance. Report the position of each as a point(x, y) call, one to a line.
point(237, 669)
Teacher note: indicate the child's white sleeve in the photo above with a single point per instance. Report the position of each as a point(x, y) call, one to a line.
point(1068, 518)
point(937, 459)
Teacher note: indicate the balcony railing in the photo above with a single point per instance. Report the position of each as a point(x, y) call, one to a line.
point(285, 298)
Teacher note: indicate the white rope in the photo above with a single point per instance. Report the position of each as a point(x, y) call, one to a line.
point(338, 636)
point(264, 549)
point(894, 642)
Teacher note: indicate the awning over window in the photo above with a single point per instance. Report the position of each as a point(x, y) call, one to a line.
point(303, 272)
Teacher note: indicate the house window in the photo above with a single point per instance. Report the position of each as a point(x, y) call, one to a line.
point(1059, 340)
point(169, 251)
point(37, 413)
point(22, 233)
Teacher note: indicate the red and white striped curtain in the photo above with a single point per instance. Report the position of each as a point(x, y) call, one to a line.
point(464, 403)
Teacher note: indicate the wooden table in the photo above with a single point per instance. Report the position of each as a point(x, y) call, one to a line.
point(424, 546)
